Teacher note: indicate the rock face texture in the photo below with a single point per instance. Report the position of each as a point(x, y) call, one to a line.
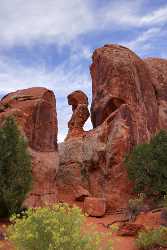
point(35, 112)
point(95, 207)
point(82, 165)
point(158, 69)
point(120, 77)
point(125, 111)
point(130, 229)
point(79, 102)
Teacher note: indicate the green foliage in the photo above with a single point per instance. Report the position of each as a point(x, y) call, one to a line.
point(4, 106)
point(135, 206)
point(54, 228)
point(146, 165)
point(15, 168)
point(152, 238)
point(7, 105)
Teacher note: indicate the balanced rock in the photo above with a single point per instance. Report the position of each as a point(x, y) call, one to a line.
point(79, 102)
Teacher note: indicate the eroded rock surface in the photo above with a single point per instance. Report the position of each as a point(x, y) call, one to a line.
point(158, 69)
point(130, 229)
point(35, 112)
point(95, 207)
point(124, 112)
point(79, 102)
point(120, 77)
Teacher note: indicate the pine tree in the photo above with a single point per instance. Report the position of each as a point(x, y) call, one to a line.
point(15, 168)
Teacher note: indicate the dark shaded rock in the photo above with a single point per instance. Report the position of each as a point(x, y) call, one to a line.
point(95, 207)
point(130, 229)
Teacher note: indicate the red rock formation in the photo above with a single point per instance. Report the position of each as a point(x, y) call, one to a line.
point(122, 93)
point(124, 113)
point(95, 207)
point(35, 111)
point(158, 69)
point(79, 102)
point(120, 77)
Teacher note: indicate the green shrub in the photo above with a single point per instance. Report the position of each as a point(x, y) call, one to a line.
point(149, 239)
point(135, 206)
point(146, 166)
point(53, 228)
point(7, 105)
point(15, 168)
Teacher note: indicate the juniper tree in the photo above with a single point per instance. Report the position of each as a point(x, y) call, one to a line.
point(147, 165)
point(15, 168)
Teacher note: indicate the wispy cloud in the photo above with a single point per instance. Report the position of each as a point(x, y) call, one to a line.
point(157, 17)
point(144, 40)
point(132, 14)
point(26, 22)
point(60, 22)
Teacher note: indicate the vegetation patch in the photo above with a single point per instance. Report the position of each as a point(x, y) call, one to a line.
point(147, 240)
point(54, 228)
point(146, 166)
point(15, 168)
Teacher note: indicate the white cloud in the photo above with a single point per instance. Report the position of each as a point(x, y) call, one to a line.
point(62, 21)
point(57, 21)
point(128, 14)
point(158, 16)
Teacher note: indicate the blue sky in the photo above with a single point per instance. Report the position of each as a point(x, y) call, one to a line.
point(50, 42)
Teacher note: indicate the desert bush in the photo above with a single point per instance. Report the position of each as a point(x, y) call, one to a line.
point(148, 239)
point(15, 168)
point(54, 228)
point(146, 166)
point(134, 206)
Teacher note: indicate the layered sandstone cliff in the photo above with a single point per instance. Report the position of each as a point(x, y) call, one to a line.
point(128, 107)
point(35, 112)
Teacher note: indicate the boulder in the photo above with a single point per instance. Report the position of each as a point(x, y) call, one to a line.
point(95, 207)
point(81, 193)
